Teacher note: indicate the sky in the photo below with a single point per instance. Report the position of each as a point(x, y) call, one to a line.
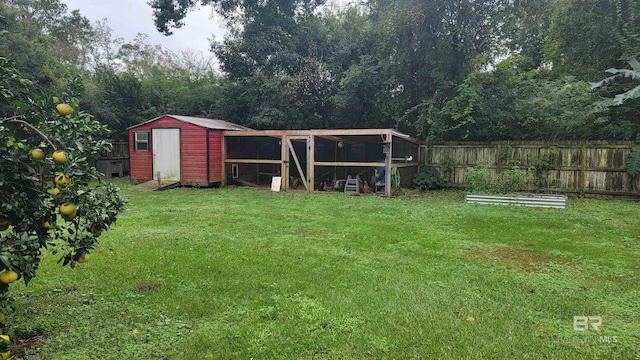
point(127, 18)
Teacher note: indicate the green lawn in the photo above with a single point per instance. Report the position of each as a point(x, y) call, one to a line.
point(238, 274)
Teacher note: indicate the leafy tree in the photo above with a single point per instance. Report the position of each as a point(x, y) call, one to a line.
point(184, 84)
point(188, 84)
point(73, 39)
point(428, 48)
point(524, 30)
point(590, 35)
point(104, 49)
point(58, 202)
point(23, 42)
point(311, 89)
point(363, 90)
point(630, 95)
point(268, 56)
point(561, 109)
point(171, 13)
point(116, 99)
point(357, 97)
point(142, 59)
point(508, 104)
point(69, 34)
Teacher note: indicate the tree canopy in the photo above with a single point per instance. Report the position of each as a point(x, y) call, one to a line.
point(436, 69)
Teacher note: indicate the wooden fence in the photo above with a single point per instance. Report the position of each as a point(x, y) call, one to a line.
point(569, 167)
point(119, 153)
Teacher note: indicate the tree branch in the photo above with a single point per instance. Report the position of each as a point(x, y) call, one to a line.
point(15, 119)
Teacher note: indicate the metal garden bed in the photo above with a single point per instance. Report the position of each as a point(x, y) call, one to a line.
point(524, 199)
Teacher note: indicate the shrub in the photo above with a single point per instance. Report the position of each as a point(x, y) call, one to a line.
point(513, 180)
point(479, 178)
point(428, 179)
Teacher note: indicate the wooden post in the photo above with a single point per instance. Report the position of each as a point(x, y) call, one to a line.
point(498, 150)
point(258, 174)
point(420, 156)
point(583, 169)
point(159, 180)
point(223, 181)
point(311, 157)
point(387, 174)
point(284, 167)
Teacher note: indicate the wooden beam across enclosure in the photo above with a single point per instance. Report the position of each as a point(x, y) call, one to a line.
point(338, 139)
point(321, 133)
point(252, 161)
point(348, 163)
point(307, 174)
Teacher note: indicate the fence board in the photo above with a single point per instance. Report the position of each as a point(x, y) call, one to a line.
point(119, 152)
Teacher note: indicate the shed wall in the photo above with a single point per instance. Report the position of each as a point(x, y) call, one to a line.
point(194, 154)
point(215, 156)
point(193, 147)
point(140, 162)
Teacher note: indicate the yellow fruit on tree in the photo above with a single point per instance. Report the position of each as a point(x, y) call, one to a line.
point(49, 225)
point(64, 109)
point(36, 154)
point(84, 258)
point(59, 157)
point(67, 209)
point(56, 192)
point(5, 355)
point(7, 277)
point(62, 180)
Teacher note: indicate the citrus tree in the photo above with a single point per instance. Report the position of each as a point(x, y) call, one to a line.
point(51, 195)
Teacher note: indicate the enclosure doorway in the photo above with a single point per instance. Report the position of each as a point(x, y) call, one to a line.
point(298, 153)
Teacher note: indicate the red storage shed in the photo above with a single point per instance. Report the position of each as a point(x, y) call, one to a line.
point(181, 148)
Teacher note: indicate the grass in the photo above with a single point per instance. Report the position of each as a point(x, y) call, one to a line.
point(237, 273)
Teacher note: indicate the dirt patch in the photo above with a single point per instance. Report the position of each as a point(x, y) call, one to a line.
point(148, 286)
point(516, 258)
point(27, 347)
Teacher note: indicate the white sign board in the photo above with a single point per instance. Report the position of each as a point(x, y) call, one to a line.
point(276, 183)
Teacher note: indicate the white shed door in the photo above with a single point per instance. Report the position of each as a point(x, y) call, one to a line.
point(166, 153)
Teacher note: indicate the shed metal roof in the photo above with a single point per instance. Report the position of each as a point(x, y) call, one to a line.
point(202, 122)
